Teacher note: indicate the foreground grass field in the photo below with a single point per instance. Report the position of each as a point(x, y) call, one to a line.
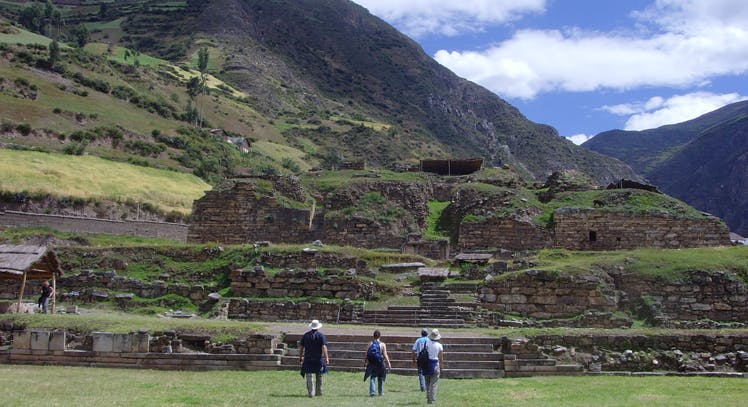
point(68, 386)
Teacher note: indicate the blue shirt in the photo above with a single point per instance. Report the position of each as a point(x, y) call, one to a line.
point(420, 343)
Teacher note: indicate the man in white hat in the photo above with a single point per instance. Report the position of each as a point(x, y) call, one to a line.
point(436, 363)
point(313, 358)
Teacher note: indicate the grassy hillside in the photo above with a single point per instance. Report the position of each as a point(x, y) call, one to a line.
point(81, 177)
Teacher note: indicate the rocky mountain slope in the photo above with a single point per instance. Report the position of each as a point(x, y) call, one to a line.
point(329, 81)
point(703, 161)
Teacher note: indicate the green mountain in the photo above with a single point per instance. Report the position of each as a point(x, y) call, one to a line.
point(703, 161)
point(306, 82)
point(645, 150)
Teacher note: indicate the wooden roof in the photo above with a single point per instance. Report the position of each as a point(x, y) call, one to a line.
point(37, 262)
point(452, 166)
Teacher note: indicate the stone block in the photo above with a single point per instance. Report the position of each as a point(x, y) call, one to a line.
point(102, 341)
point(144, 342)
point(701, 307)
point(513, 299)
point(121, 343)
point(40, 340)
point(57, 341)
point(22, 340)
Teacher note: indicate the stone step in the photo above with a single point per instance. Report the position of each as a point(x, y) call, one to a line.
point(447, 341)
point(440, 325)
point(536, 362)
point(386, 315)
point(434, 291)
point(404, 350)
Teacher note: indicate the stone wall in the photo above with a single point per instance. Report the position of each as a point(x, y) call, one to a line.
point(163, 351)
point(289, 283)
point(411, 196)
point(432, 249)
point(545, 294)
point(577, 229)
point(241, 215)
point(294, 311)
point(704, 295)
point(75, 224)
point(86, 279)
point(686, 342)
point(714, 296)
point(503, 233)
point(90, 286)
point(360, 232)
point(311, 260)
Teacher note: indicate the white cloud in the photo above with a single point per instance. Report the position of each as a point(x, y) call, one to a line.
point(678, 43)
point(450, 18)
point(579, 138)
point(658, 111)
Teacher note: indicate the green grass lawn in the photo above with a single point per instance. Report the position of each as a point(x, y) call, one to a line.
point(68, 386)
point(80, 177)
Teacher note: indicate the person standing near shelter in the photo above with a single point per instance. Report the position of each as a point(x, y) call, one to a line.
point(374, 362)
point(417, 347)
point(47, 292)
point(313, 358)
point(436, 364)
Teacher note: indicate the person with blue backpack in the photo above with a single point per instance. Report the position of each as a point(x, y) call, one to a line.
point(376, 363)
point(417, 348)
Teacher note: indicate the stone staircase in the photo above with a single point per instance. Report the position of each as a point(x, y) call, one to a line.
point(436, 310)
point(464, 357)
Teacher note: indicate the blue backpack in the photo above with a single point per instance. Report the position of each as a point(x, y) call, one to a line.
point(374, 354)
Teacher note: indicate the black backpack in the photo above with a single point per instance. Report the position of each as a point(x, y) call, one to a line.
point(374, 354)
point(422, 360)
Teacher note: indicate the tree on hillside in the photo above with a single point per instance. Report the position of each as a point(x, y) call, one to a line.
point(49, 10)
point(54, 54)
point(193, 89)
point(57, 22)
point(103, 10)
point(32, 17)
point(81, 35)
point(202, 65)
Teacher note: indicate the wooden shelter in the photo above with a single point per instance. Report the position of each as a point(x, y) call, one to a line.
point(24, 263)
point(452, 166)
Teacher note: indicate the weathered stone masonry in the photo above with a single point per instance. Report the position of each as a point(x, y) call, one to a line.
point(595, 229)
point(714, 296)
point(238, 216)
point(589, 229)
point(257, 283)
point(294, 311)
point(503, 233)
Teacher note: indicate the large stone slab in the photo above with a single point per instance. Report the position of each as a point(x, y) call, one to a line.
point(121, 343)
point(22, 340)
point(57, 341)
point(40, 340)
point(102, 341)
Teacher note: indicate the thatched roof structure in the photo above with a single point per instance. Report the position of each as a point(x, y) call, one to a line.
point(35, 262)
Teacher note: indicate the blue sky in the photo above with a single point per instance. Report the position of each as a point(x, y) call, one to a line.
point(586, 66)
